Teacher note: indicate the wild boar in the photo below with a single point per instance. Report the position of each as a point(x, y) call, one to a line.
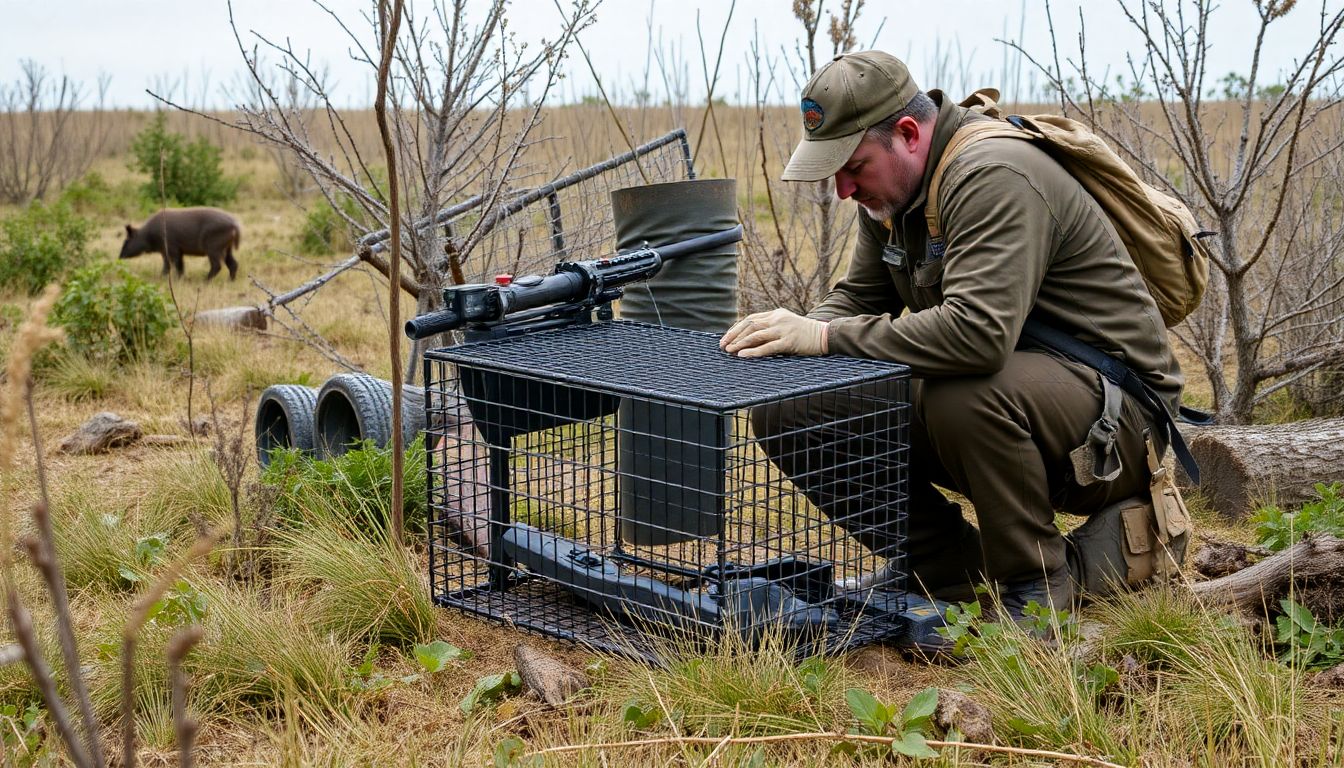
point(174, 232)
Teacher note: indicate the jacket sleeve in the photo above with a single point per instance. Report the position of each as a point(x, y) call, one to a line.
point(999, 237)
point(866, 288)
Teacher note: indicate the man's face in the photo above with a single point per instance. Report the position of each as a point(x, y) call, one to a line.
point(883, 179)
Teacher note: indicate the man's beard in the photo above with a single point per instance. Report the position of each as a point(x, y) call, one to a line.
point(883, 212)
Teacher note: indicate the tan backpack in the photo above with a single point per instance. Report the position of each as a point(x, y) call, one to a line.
point(1158, 230)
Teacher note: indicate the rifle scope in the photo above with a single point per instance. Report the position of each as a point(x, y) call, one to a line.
point(589, 281)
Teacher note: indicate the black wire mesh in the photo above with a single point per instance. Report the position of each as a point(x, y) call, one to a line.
point(569, 218)
point(615, 482)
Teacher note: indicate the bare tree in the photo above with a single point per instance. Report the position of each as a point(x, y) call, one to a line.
point(794, 258)
point(1260, 164)
point(463, 99)
point(43, 146)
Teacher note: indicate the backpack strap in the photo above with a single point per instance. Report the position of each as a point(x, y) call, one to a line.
point(965, 136)
point(1122, 375)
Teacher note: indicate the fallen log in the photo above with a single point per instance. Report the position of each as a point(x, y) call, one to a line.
point(1243, 466)
point(1313, 569)
point(233, 317)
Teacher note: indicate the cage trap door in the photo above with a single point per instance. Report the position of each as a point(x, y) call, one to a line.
point(673, 464)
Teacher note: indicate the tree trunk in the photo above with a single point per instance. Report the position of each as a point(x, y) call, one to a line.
point(1242, 466)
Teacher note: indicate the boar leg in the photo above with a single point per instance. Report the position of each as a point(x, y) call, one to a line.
point(231, 263)
point(214, 264)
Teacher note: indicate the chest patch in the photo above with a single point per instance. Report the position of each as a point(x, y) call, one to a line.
point(935, 249)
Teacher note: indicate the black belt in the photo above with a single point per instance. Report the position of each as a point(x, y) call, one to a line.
point(1122, 376)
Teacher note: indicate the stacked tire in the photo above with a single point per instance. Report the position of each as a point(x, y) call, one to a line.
point(327, 422)
point(355, 406)
point(285, 419)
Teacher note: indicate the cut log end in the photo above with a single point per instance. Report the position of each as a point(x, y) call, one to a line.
point(1242, 467)
point(240, 318)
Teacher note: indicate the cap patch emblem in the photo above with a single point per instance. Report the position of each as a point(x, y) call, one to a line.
point(813, 116)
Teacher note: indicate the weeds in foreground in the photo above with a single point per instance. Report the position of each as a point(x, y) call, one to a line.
point(362, 584)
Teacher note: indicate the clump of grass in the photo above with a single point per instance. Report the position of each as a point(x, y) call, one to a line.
point(1216, 690)
point(1160, 627)
point(737, 686)
point(95, 546)
point(1041, 695)
point(1231, 700)
point(78, 378)
point(258, 652)
point(366, 586)
point(187, 488)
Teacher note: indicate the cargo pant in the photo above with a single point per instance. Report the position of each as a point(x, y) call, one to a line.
point(1001, 440)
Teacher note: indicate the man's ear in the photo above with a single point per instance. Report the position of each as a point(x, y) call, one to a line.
point(908, 133)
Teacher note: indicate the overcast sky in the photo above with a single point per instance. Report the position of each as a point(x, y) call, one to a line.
point(186, 48)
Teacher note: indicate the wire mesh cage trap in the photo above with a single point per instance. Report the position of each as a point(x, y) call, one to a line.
point(610, 482)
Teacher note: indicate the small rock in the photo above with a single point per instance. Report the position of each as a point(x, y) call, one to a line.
point(1219, 558)
point(959, 712)
point(1330, 678)
point(100, 434)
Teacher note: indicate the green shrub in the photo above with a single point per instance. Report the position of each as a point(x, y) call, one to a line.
point(110, 314)
point(355, 487)
point(323, 231)
point(93, 195)
point(181, 172)
point(40, 245)
point(1277, 529)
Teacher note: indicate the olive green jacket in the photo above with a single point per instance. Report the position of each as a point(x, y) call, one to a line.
point(1021, 237)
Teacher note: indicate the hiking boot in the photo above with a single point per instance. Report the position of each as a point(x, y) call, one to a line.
point(1053, 590)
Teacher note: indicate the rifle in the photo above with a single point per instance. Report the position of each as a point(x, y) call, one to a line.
point(565, 297)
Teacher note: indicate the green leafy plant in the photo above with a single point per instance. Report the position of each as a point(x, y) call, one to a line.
point(1307, 643)
point(491, 688)
point(92, 195)
point(358, 483)
point(512, 753)
point(1276, 529)
point(906, 726)
point(182, 172)
point(40, 245)
point(21, 732)
point(325, 230)
point(111, 314)
point(639, 715)
point(149, 551)
point(183, 604)
point(438, 655)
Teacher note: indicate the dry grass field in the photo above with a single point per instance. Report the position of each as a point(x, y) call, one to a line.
point(311, 663)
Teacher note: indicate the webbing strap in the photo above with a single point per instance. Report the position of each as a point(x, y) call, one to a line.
point(1122, 376)
point(966, 134)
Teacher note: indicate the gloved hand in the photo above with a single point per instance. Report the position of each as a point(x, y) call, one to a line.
point(777, 332)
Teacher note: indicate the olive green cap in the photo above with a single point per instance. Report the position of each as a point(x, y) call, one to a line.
point(851, 94)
